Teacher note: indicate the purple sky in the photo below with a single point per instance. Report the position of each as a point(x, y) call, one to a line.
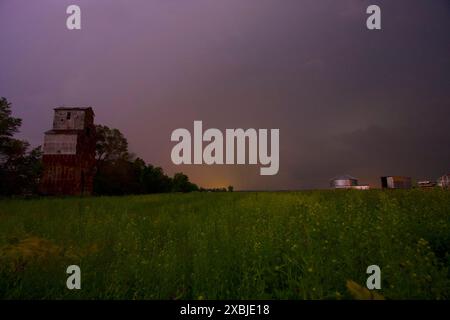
point(346, 99)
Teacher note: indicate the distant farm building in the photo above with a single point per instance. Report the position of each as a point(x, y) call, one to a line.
point(69, 153)
point(346, 182)
point(362, 187)
point(444, 181)
point(426, 184)
point(343, 182)
point(396, 182)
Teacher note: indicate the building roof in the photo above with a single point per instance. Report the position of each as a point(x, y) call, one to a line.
point(74, 108)
point(344, 177)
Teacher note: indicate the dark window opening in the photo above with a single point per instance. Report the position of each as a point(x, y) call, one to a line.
point(384, 183)
point(68, 115)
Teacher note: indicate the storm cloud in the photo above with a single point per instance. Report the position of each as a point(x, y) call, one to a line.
point(346, 99)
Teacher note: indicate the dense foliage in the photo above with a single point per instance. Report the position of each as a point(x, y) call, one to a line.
point(120, 173)
point(20, 168)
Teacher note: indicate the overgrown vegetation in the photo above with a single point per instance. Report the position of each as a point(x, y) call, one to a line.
point(286, 245)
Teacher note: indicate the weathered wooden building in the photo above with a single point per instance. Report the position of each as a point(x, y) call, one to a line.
point(396, 182)
point(426, 184)
point(69, 153)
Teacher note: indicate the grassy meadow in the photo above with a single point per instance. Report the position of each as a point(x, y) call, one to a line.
point(255, 245)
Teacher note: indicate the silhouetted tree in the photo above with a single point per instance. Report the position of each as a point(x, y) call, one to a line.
point(19, 169)
point(181, 183)
point(111, 144)
point(8, 127)
point(154, 180)
point(119, 174)
point(115, 174)
point(117, 178)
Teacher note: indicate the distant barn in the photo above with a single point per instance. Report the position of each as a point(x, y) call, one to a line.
point(396, 182)
point(426, 184)
point(69, 153)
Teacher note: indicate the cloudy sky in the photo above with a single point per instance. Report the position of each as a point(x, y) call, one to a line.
point(346, 99)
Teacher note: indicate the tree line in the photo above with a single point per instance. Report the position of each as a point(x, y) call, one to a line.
point(118, 172)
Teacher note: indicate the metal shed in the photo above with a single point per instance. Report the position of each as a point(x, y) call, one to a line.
point(396, 182)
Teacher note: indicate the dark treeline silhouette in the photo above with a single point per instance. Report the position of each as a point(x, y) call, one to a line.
point(124, 176)
point(118, 172)
point(228, 189)
point(20, 167)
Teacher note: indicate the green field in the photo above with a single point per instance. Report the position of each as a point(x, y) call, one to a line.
point(267, 245)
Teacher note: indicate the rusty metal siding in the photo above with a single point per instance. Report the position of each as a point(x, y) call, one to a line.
point(67, 175)
point(396, 182)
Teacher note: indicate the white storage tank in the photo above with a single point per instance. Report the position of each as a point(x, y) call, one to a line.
point(343, 182)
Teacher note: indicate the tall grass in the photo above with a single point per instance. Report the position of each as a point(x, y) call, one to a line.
point(286, 245)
